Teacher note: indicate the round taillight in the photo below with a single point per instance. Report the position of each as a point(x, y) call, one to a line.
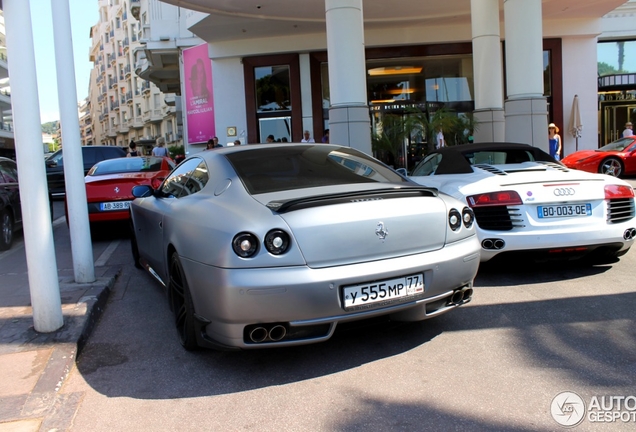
point(468, 217)
point(245, 245)
point(454, 219)
point(277, 242)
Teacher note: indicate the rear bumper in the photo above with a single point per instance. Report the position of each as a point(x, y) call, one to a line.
point(308, 302)
point(551, 241)
point(109, 216)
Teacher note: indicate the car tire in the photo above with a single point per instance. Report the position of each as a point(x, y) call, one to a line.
point(6, 229)
point(181, 304)
point(611, 166)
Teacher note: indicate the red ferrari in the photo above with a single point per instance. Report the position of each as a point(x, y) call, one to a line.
point(109, 184)
point(617, 159)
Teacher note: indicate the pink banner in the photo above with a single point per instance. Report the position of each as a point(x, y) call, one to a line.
point(198, 91)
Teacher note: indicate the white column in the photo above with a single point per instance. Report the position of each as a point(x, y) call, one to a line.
point(526, 107)
point(36, 217)
point(487, 70)
point(349, 122)
point(305, 90)
point(77, 212)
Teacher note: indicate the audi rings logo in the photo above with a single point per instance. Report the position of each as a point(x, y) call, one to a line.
point(564, 191)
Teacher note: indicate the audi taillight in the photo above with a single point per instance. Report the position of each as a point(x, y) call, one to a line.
point(501, 198)
point(613, 191)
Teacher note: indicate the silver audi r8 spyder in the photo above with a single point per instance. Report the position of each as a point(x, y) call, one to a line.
point(275, 245)
point(527, 203)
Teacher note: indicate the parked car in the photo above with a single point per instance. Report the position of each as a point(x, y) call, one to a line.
point(617, 158)
point(526, 201)
point(90, 154)
point(10, 210)
point(109, 184)
point(275, 245)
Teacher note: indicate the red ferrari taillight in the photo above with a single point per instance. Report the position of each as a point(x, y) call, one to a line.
point(502, 198)
point(618, 191)
point(156, 182)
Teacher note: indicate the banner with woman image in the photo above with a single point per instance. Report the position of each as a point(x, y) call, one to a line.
point(198, 91)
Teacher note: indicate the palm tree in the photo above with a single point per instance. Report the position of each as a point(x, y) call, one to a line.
point(389, 138)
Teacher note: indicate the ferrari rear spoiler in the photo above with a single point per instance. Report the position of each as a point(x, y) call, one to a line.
point(282, 206)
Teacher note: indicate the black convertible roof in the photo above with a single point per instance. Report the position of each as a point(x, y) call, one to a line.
point(455, 158)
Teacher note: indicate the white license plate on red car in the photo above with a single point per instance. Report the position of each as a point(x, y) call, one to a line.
point(116, 205)
point(379, 293)
point(564, 210)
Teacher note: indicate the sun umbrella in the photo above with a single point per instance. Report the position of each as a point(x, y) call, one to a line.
point(575, 126)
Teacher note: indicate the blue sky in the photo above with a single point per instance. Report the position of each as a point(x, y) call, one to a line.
point(84, 14)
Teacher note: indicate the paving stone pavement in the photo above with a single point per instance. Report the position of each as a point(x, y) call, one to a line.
point(33, 365)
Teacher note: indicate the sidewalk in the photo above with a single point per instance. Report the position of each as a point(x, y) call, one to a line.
point(33, 366)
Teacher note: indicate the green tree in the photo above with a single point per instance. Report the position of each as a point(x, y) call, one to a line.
point(388, 140)
point(606, 69)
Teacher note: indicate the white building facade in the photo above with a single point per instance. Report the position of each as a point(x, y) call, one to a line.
point(283, 68)
point(122, 105)
point(7, 141)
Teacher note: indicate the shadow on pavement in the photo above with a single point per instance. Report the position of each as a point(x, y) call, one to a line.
point(135, 351)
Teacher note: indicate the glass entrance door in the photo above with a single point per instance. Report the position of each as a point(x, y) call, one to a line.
point(614, 119)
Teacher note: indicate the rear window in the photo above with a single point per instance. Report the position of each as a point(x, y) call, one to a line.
point(127, 165)
point(297, 167)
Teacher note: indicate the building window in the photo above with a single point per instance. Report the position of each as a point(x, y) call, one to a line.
point(272, 88)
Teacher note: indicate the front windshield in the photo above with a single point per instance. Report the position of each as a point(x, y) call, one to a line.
point(618, 145)
point(428, 165)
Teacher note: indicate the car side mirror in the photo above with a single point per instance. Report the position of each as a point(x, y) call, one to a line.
point(142, 191)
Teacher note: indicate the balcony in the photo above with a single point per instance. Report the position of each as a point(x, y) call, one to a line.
point(129, 97)
point(145, 87)
point(127, 71)
point(138, 122)
point(156, 115)
point(123, 127)
point(617, 82)
point(111, 132)
point(135, 7)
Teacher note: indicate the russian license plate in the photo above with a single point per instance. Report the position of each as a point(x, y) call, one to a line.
point(380, 293)
point(564, 210)
point(116, 205)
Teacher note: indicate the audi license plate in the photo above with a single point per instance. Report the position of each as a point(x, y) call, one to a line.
point(117, 205)
point(564, 210)
point(380, 293)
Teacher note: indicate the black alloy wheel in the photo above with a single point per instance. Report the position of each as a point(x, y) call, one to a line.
point(6, 229)
point(611, 166)
point(181, 303)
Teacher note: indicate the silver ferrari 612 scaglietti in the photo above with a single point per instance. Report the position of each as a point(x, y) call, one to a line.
point(274, 245)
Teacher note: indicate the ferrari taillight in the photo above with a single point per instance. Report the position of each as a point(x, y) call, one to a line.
point(501, 198)
point(156, 183)
point(618, 191)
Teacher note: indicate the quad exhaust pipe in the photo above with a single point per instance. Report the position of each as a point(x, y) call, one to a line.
point(491, 244)
point(461, 296)
point(629, 234)
point(272, 333)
